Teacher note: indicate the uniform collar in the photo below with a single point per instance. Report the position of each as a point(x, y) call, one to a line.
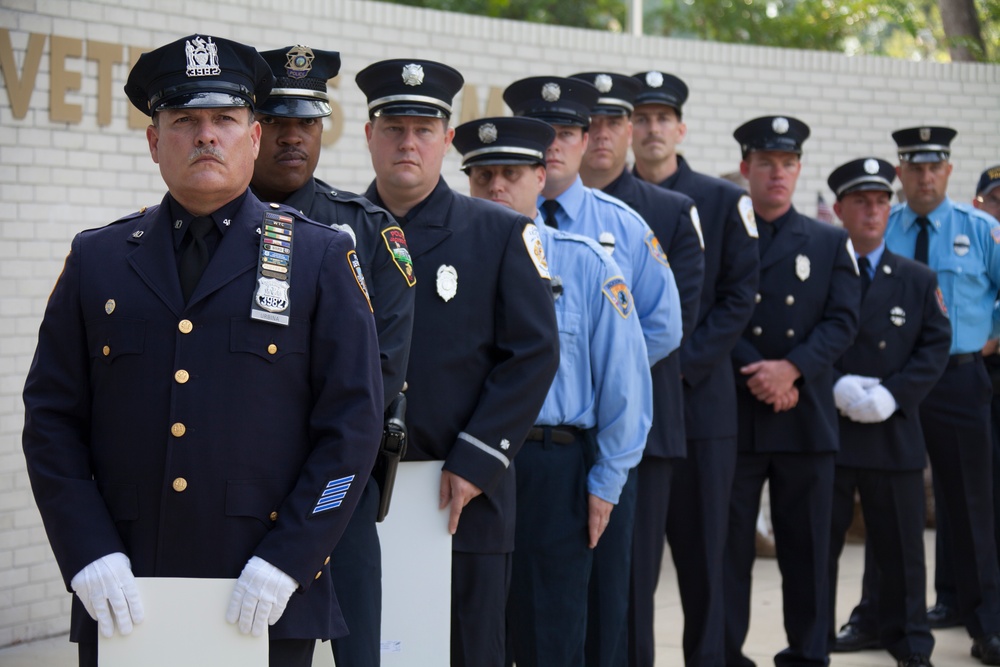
point(181, 218)
point(875, 256)
point(571, 200)
point(908, 218)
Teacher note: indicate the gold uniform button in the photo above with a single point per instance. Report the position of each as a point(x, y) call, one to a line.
point(178, 429)
point(790, 333)
point(327, 561)
point(182, 376)
point(180, 484)
point(756, 297)
point(106, 350)
point(273, 516)
point(272, 349)
point(789, 300)
point(319, 574)
point(185, 326)
point(757, 331)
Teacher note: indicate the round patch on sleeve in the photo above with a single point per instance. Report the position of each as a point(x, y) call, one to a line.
point(533, 242)
point(745, 208)
point(655, 249)
point(617, 292)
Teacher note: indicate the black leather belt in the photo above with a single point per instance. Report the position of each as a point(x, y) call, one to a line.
point(561, 435)
point(964, 358)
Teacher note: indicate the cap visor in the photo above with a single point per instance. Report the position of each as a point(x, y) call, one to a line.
point(294, 107)
point(204, 100)
point(410, 109)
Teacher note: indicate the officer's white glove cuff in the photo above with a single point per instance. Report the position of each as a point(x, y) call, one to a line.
point(108, 592)
point(260, 596)
point(850, 389)
point(877, 407)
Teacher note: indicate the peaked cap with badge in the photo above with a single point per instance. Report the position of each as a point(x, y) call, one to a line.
point(409, 88)
point(553, 99)
point(863, 174)
point(503, 140)
point(199, 72)
point(924, 144)
point(300, 74)
point(661, 88)
point(617, 92)
point(772, 133)
point(988, 181)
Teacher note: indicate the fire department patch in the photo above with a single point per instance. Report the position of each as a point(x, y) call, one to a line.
point(395, 241)
point(655, 249)
point(617, 292)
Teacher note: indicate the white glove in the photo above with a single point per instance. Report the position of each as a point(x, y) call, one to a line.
point(876, 407)
point(850, 389)
point(108, 591)
point(260, 596)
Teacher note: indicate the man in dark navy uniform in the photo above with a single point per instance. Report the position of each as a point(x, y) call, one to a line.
point(697, 523)
point(674, 219)
point(291, 121)
point(235, 342)
point(485, 340)
point(900, 352)
point(805, 318)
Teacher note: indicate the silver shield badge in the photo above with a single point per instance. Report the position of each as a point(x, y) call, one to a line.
point(551, 92)
point(925, 134)
point(961, 245)
point(272, 295)
point(447, 282)
point(413, 74)
point(802, 267)
point(897, 316)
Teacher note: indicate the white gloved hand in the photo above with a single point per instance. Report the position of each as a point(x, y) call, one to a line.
point(876, 407)
point(850, 389)
point(108, 591)
point(260, 596)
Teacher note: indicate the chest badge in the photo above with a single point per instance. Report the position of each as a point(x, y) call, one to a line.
point(447, 282)
point(961, 245)
point(802, 267)
point(897, 316)
point(109, 306)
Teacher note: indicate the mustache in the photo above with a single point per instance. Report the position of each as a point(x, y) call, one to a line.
point(291, 151)
point(202, 151)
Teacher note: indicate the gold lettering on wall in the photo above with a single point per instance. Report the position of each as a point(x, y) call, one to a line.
point(470, 103)
point(63, 80)
point(19, 88)
point(106, 55)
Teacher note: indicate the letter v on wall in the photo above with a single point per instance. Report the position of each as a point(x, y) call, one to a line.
point(19, 88)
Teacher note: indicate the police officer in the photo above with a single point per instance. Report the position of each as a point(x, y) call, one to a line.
point(805, 318)
point(703, 480)
point(987, 196)
point(485, 341)
point(230, 338)
point(674, 219)
point(900, 352)
point(593, 424)
point(963, 245)
point(567, 204)
point(291, 121)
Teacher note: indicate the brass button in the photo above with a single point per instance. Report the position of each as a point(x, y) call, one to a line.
point(319, 574)
point(881, 345)
point(178, 429)
point(757, 331)
point(180, 484)
point(185, 326)
point(789, 300)
point(756, 297)
point(790, 333)
point(273, 516)
point(106, 350)
point(182, 376)
point(272, 349)
point(327, 561)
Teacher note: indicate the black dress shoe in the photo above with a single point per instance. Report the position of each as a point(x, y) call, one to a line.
point(852, 638)
point(987, 649)
point(915, 660)
point(942, 616)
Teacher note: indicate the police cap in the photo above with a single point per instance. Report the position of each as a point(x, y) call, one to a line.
point(617, 92)
point(867, 173)
point(988, 181)
point(503, 140)
point(199, 72)
point(661, 88)
point(300, 76)
point(772, 133)
point(924, 144)
point(556, 100)
point(409, 88)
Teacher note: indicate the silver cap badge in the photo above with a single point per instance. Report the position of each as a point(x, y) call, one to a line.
point(603, 83)
point(551, 92)
point(654, 79)
point(488, 133)
point(871, 166)
point(413, 74)
point(202, 57)
point(925, 134)
point(780, 125)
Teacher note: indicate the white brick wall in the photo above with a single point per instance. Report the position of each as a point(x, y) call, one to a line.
point(58, 178)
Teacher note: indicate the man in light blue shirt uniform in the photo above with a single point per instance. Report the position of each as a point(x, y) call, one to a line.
point(962, 244)
point(592, 427)
point(565, 203)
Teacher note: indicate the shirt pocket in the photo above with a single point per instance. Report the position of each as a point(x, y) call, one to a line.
point(110, 339)
point(572, 351)
point(963, 280)
point(268, 341)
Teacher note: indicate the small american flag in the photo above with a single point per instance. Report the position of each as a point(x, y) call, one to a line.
point(824, 212)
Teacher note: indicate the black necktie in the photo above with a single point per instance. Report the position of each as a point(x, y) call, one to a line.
point(923, 240)
point(765, 232)
point(550, 206)
point(195, 257)
point(863, 266)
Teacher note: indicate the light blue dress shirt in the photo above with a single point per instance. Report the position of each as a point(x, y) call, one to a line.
point(644, 265)
point(874, 257)
point(964, 250)
point(603, 378)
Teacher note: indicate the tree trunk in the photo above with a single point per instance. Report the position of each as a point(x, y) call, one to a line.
point(962, 30)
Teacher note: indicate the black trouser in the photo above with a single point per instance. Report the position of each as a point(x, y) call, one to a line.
point(479, 585)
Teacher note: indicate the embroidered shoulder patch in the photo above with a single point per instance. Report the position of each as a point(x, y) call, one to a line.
point(655, 249)
point(617, 292)
point(395, 241)
point(745, 208)
point(940, 300)
point(352, 258)
point(696, 221)
point(533, 242)
point(995, 233)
